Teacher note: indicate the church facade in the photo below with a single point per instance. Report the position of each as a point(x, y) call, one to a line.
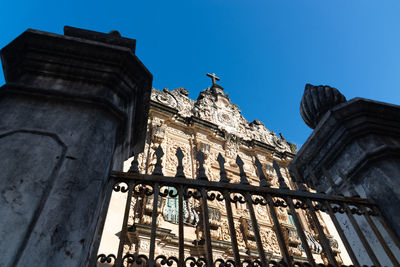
point(214, 125)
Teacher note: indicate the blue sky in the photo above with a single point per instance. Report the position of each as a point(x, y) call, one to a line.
point(264, 51)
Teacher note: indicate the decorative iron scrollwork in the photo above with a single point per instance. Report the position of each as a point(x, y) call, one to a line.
point(223, 263)
point(195, 262)
point(138, 259)
point(122, 187)
point(320, 206)
point(103, 258)
point(237, 198)
point(280, 203)
point(338, 208)
point(187, 194)
point(300, 204)
point(251, 263)
point(212, 196)
point(163, 260)
point(259, 201)
point(356, 210)
point(142, 190)
point(171, 192)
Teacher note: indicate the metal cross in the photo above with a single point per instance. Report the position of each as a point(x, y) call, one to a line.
point(213, 77)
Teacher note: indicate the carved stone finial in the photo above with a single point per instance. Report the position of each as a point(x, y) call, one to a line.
point(282, 184)
point(316, 101)
point(158, 167)
point(179, 170)
point(240, 163)
point(222, 172)
point(201, 172)
point(261, 176)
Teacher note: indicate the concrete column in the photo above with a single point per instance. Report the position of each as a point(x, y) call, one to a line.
point(71, 103)
point(358, 143)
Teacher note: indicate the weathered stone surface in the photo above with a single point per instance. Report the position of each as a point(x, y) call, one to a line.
point(358, 143)
point(69, 105)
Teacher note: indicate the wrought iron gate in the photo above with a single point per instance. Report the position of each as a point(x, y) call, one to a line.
point(202, 190)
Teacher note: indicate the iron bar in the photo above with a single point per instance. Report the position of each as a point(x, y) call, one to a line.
point(360, 234)
point(235, 248)
point(300, 231)
point(385, 225)
point(321, 235)
point(206, 227)
point(156, 190)
point(118, 261)
point(380, 237)
point(238, 188)
point(181, 230)
point(281, 180)
point(256, 229)
point(278, 231)
point(342, 235)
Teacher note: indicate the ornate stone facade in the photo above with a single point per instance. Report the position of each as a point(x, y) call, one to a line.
point(213, 124)
point(215, 107)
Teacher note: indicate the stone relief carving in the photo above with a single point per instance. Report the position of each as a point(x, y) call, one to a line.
point(247, 229)
point(164, 97)
point(216, 107)
point(269, 240)
point(262, 211)
point(313, 243)
point(158, 133)
point(231, 146)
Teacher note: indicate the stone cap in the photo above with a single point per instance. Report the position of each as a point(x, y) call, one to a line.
point(85, 66)
point(343, 126)
point(112, 38)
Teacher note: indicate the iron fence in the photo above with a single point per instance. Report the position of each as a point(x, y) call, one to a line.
point(202, 190)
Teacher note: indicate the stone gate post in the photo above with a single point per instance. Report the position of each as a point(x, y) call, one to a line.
point(353, 150)
point(71, 104)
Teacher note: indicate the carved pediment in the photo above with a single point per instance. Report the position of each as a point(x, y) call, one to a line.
point(215, 107)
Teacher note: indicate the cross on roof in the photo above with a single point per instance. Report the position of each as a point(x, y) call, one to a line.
point(213, 77)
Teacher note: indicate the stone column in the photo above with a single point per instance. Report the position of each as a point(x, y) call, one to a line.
point(71, 103)
point(358, 143)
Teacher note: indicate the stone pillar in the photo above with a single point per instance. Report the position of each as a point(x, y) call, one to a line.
point(71, 103)
point(358, 143)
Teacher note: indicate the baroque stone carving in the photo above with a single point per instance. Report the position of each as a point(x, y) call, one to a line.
point(269, 240)
point(247, 229)
point(158, 133)
point(214, 106)
point(313, 243)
